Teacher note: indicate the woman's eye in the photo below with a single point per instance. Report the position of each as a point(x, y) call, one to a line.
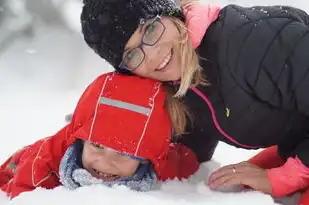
point(130, 55)
point(150, 28)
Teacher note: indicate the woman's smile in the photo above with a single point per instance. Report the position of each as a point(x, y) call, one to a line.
point(165, 62)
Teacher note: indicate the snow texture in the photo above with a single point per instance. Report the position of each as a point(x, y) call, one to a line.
point(42, 74)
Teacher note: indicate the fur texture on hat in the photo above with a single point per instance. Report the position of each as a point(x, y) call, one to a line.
point(107, 25)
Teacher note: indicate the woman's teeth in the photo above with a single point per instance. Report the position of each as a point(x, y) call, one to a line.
point(165, 61)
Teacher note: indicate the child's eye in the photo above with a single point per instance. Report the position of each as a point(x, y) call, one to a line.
point(97, 146)
point(121, 154)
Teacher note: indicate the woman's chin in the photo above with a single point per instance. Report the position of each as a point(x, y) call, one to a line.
point(172, 77)
point(172, 74)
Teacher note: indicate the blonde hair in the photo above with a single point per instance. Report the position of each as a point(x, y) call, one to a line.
point(191, 75)
point(177, 111)
point(185, 2)
point(191, 72)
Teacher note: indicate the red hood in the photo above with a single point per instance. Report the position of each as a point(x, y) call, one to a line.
point(127, 113)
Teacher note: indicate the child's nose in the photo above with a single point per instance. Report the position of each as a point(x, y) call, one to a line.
point(110, 154)
point(106, 160)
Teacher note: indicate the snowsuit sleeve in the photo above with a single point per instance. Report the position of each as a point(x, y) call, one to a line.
point(37, 165)
point(33, 166)
point(276, 72)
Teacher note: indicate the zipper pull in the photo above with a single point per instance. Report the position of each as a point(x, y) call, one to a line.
point(227, 112)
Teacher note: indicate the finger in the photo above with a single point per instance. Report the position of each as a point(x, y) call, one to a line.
point(243, 174)
point(226, 170)
point(256, 180)
point(230, 167)
point(218, 182)
point(230, 180)
point(248, 178)
point(230, 170)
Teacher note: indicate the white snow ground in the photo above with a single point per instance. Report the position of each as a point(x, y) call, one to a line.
point(40, 82)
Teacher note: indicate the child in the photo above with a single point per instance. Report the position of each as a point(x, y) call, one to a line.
point(118, 135)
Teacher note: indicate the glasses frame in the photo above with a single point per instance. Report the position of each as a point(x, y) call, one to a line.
point(158, 18)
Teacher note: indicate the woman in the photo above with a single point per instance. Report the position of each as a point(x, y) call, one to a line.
point(249, 90)
point(115, 138)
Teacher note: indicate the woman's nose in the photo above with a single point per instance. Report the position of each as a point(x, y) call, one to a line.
point(151, 53)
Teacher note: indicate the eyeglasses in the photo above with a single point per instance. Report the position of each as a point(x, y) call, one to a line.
point(152, 34)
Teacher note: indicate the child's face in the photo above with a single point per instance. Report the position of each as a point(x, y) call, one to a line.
point(107, 164)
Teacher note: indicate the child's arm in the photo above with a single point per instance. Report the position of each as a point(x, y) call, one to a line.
point(38, 166)
point(34, 166)
point(181, 163)
point(8, 168)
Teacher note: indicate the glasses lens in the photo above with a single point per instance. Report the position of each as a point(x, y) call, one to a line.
point(133, 58)
point(153, 32)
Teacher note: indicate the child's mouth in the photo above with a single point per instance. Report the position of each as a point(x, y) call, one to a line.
point(105, 176)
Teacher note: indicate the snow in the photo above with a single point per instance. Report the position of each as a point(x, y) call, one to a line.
point(41, 79)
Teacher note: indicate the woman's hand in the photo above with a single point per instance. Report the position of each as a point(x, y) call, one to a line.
point(243, 173)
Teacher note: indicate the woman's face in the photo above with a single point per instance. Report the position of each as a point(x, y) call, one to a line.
point(107, 164)
point(161, 60)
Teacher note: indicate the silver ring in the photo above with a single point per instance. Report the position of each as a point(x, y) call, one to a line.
point(234, 170)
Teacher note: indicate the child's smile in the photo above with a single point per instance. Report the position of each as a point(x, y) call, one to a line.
point(104, 176)
point(107, 164)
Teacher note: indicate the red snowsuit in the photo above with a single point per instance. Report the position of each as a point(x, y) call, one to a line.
point(137, 124)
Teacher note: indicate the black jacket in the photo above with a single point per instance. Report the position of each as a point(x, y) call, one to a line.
point(257, 61)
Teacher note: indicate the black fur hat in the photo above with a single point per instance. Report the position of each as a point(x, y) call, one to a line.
point(107, 25)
